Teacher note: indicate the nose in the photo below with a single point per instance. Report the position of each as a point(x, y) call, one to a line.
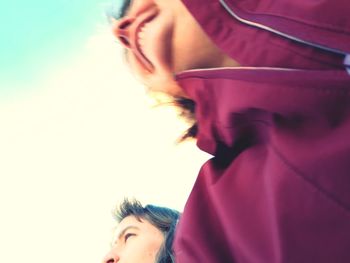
point(111, 257)
point(121, 30)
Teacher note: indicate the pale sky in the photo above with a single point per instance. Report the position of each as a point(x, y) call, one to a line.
point(73, 143)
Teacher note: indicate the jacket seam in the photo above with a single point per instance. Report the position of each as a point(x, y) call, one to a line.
point(306, 179)
point(319, 26)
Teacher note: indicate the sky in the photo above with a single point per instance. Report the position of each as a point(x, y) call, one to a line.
point(78, 133)
point(36, 34)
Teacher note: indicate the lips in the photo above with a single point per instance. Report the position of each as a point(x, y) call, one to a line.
point(147, 17)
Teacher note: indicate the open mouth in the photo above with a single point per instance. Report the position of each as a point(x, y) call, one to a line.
point(139, 53)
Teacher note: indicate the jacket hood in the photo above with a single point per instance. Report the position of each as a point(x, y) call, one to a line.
point(293, 101)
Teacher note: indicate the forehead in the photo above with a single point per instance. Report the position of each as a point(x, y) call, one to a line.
point(130, 221)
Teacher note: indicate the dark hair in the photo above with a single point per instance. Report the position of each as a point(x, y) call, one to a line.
point(117, 11)
point(163, 218)
point(187, 111)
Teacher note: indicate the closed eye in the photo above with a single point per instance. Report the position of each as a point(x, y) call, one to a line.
point(128, 235)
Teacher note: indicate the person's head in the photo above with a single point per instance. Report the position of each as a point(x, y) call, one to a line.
point(144, 234)
point(162, 39)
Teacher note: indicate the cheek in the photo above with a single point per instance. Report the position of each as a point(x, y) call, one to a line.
point(192, 48)
point(188, 43)
point(141, 251)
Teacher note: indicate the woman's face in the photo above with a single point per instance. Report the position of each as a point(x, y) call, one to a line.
point(163, 39)
point(135, 242)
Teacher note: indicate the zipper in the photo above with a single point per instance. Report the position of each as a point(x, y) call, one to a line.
point(238, 68)
point(347, 60)
point(221, 69)
point(245, 21)
point(347, 63)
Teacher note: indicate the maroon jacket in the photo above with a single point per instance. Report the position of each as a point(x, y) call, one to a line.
point(278, 186)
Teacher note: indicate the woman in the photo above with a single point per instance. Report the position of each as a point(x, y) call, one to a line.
point(144, 234)
point(270, 84)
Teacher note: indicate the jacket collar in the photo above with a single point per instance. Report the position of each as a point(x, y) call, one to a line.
point(245, 104)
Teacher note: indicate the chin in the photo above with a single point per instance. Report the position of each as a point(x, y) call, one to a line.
point(164, 84)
